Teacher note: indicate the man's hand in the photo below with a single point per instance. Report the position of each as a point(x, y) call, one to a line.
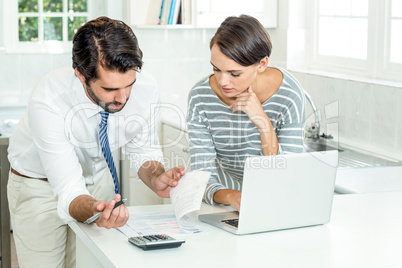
point(111, 218)
point(165, 181)
point(85, 206)
point(157, 179)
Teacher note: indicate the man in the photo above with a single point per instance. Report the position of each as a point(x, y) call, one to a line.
point(75, 118)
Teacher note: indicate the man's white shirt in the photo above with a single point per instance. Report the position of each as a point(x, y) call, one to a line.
point(58, 137)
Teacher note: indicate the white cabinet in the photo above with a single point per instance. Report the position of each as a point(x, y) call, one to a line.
point(211, 13)
point(146, 13)
point(176, 150)
point(134, 189)
point(202, 13)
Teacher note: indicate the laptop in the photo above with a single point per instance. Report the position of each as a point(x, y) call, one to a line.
point(282, 192)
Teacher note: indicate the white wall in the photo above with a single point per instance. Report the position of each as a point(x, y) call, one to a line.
point(20, 72)
point(1, 35)
point(368, 115)
point(357, 111)
point(176, 58)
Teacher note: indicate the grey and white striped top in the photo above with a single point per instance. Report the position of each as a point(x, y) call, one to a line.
point(220, 140)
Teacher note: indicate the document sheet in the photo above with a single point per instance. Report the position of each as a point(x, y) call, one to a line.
point(186, 197)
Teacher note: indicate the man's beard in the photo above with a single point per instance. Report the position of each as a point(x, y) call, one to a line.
point(104, 105)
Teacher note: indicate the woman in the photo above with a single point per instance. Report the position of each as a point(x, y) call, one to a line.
point(244, 109)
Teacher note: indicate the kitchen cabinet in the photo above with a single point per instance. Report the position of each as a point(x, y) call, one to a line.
point(175, 146)
point(175, 149)
point(211, 13)
point(5, 248)
point(134, 189)
point(204, 13)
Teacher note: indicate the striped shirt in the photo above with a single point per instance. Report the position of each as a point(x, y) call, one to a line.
point(221, 140)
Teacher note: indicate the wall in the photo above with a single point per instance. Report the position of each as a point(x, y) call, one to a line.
point(176, 58)
point(363, 114)
point(366, 115)
point(20, 72)
point(359, 112)
point(1, 35)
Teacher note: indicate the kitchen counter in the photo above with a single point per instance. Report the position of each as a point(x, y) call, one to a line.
point(364, 231)
point(369, 180)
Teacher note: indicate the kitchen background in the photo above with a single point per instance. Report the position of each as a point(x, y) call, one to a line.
point(359, 112)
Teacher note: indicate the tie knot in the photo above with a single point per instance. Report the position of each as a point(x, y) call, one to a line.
point(105, 116)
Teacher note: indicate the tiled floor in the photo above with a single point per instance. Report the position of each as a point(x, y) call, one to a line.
point(14, 260)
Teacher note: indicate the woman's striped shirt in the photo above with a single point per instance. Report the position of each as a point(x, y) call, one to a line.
point(220, 140)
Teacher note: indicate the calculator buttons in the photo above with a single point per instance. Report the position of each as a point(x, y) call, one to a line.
point(159, 241)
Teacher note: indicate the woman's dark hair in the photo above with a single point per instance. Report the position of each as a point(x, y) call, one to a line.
point(108, 43)
point(243, 39)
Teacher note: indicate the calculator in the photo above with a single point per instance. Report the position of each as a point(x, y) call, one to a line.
point(160, 241)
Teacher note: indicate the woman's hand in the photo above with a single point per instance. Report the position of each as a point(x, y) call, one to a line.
point(228, 197)
point(249, 103)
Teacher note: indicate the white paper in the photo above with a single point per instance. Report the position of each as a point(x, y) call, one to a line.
point(186, 197)
point(156, 223)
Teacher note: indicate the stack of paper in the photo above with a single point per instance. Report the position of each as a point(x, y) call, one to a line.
point(186, 197)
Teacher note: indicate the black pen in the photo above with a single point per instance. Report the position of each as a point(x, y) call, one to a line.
point(96, 216)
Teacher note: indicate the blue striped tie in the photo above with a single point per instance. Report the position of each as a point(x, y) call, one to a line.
point(104, 142)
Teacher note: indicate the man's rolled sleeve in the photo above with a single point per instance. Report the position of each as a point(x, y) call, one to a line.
point(65, 199)
point(57, 155)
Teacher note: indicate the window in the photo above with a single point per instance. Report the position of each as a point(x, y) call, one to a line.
point(396, 30)
point(46, 26)
point(359, 36)
point(343, 28)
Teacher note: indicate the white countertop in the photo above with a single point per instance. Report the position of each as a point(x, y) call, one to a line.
point(369, 180)
point(365, 231)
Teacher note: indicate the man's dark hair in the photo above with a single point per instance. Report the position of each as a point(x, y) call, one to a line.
point(108, 43)
point(243, 39)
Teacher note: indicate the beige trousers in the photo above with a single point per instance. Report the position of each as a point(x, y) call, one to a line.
point(41, 238)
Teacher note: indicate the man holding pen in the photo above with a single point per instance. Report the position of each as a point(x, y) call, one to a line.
point(60, 153)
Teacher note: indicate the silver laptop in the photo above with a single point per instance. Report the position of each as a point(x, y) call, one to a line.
point(282, 192)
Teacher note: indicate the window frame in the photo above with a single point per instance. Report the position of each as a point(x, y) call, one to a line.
point(390, 69)
point(11, 34)
point(378, 64)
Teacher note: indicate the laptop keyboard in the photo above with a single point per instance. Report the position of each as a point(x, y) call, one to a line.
point(233, 222)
